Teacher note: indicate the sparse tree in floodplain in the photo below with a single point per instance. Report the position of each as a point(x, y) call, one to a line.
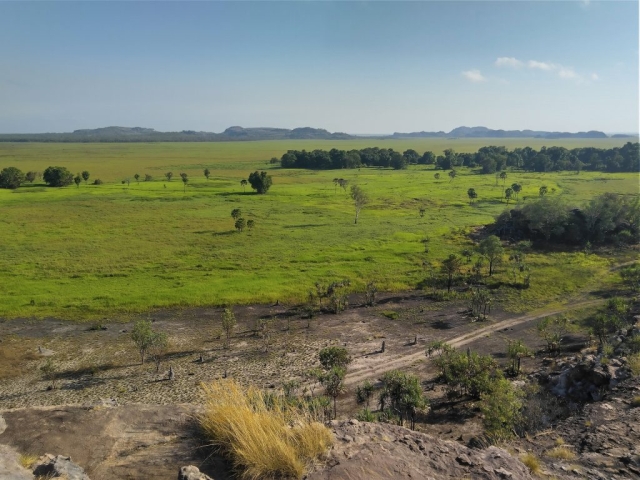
point(236, 213)
point(168, 175)
point(137, 177)
point(452, 175)
point(251, 224)
point(243, 183)
point(359, 198)
point(508, 193)
point(543, 190)
point(450, 267)
point(77, 180)
point(207, 173)
point(491, 249)
point(471, 193)
point(228, 324)
point(517, 188)
point(503, 177)
point(185, 180)
point(31, 176)
point(85, 176)
point(436, 176)
point(240, 224)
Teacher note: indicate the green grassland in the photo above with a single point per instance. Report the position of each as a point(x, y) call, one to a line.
point(115, 249)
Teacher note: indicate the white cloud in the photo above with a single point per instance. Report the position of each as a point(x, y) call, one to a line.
point(541, 65)
point(474, 76)
point(508, 62)
point(594, 77)
point(566, 72)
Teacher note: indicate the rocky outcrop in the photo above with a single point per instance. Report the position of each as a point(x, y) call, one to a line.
point(50, 466)
point(10, 468)
point(192, 473)
point(370, 451)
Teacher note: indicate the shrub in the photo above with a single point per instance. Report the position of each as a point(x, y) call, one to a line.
point(262, 439)
point(635, 401)
point(501, 408)
point(390, 314)
point(561, 453)
point(532, 463)
point(334, 357)
point(634, 363)
point(97, 181)
point(366, 415)
point(11, 178)
point(260, 181)
point(57, 177)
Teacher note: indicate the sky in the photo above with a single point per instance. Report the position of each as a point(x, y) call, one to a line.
point(356, 67)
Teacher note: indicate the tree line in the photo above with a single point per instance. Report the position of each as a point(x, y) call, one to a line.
point(489, 159)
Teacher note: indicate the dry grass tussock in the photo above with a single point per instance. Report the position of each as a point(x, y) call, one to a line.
point(263, 435)
point(27, 460)
point(561, 453)
point(532, 462)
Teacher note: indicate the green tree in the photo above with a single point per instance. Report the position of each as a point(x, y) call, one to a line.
point(137, 177)
point(552, 330)
point(147, 177)
point(240, 224)
point(260, 181)
point(508, 193)
point(452, 175)
point(168, 176)
point(207, 173)
point(251, 224)
point(402, 393)
point(11, 178)
point(517, 188)
point(236, 213)
point(85, 176)
point(436, 176)
point(331, 357)
point(503, 177)
point(31, 176)
point(158, 348)
point(228, 324)
point(631, 276)
point(143, 337)
point(333, 382)
point(364, 393)
point(397, 161)
point(543, 190)
point(515, 351)
point(57, 177)
point(77, 180)
point(471, 193)
point(185, 180)
point(243, 184)
point(468, 253)
point(501, 407)
point(450, 267)
point(491, 249)
point(359, 198)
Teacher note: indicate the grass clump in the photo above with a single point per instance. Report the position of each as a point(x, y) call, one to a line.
point(262, 435)
point(561, 453)
point(634, 363)
point(390, 314)
point(635, 401)
point(532, 463)
point(27, 460)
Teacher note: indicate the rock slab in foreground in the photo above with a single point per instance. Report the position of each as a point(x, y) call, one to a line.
point(50, 466)
point(10, 468)
point(373, 451)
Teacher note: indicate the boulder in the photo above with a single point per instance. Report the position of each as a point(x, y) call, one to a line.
point(50, 466)
point(192, 473)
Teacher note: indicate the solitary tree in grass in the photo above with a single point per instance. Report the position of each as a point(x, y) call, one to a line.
point(168, 175)
point(503, 177)
point(147, 177)
point(77, 180)
point(240, 224)
point(517, 188)
point(543, 190)
point(143, 337)
point(452, 175)
point(85, 176)
point(260, 181)
point(492, 250)
point(359, 198)
point(508, 193)
point(31, 176)
point(207, 173)
point(185, 180)
point(236, 213)
point(228, 324)
point(251, 224)
point(137, 177)
point(57, 176)
point(450, 267)
point(11, 178)
point(436, 176)
point(243, 183)
point(471, 193)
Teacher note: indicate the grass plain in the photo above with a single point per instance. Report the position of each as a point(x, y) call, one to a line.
point(114, 249)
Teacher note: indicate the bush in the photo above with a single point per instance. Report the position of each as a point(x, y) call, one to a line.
point(532, 463)
point(260, 181)
point(366, 415)
point(97, 181)
point(334, 357)
point(11, 178)
point(263, 439)
point(57, 177)
point(561, 453)
point(501, 408)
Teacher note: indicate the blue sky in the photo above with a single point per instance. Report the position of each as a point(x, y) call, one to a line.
point(358, 67)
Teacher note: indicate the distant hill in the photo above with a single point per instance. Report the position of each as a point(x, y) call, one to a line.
point(236, 133)
point(138, 134)
point(484, 132)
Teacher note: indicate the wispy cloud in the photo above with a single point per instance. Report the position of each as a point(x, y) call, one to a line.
point(508, 62)
point(567, 73)
point(474, 76)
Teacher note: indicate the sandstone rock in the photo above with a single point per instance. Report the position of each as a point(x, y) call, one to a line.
point(192, 473)
point(10, 468)
point(50, 466)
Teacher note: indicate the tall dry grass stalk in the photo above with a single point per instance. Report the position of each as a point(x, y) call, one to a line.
point(263, 435)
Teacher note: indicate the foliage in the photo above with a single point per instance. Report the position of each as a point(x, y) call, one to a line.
point(333, 382)
point(516, 349)
point(262, 437)
point(85, 175)
point(451, 267)
point(501, 404)
point(631, 276)
point(359, 198)
point(491, 249)
point(240, 224)
point(158, 347)
point(366, 415)
point(228, 324)
point(468, 372)
point(57, 177)
point(143, 337)
point(402, 393)
point(331, 357)
point(260, 181)
point(77, 180)
point(634, 363)
point(11, 178)
point(552, 330)
point(364, 393)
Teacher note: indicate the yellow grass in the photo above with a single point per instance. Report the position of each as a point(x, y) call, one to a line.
point(532, 462)
point(634, 363)
point(561, 453)
point(27, 460)
point(262, 436)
